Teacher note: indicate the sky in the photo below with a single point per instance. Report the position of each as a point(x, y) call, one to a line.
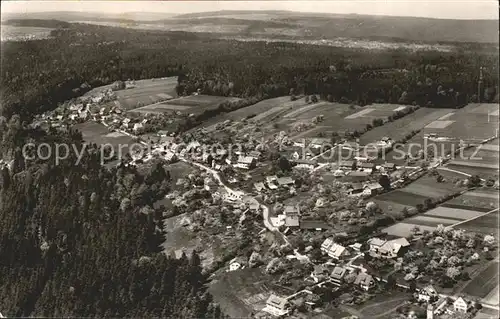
point(445, 9)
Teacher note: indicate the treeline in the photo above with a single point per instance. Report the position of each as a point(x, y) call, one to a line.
point(79, 240)
point(40, 74)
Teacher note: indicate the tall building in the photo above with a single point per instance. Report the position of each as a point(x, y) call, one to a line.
point(430, 311)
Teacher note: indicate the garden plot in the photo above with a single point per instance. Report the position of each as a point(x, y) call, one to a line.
point(423, 220)
point(405, 229)
point(460, 214)
point(484, 285)
point(399, 128)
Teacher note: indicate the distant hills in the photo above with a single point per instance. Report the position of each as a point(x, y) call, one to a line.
point(298, 24)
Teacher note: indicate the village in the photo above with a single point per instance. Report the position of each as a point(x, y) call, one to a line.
point(325, 214)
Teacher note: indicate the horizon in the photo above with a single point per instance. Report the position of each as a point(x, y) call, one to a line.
point(463, 10)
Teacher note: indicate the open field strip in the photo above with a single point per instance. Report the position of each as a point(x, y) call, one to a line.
point(446, 116)
point(473, 218)
point(490, 147)
point(474, 164)
point(304, 109)
point(405, 229)
point(484, 283)
point(431, 221)
point(493, 297)
point(439, 124)
point(461, 214)
point(359, 114)
point(494, 195)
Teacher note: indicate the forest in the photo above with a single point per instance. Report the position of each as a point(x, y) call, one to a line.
point(41, 74)
point(78, 239)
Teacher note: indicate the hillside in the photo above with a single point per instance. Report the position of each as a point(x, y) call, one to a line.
point(298, 25)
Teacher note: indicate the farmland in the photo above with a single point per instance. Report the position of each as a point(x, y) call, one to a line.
point(398, 129)
point(487, 224)
point(193, 104)
point(480, 200)
point(485, 284)
point(473, 122)
point(144, 93)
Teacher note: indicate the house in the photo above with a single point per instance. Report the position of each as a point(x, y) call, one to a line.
point(246, 162)
point(237, 263)
point(347, 164)
point(365, 281)
point(355, 189)
point(277, 306)
point(138, 126)
point(333, 249)
point(366, 166)
point(427, 294)
point(440, 305)
point(285, 181)
point(372, 188)
point(338, 275)
point(255, 154)
point(356, 247)
point(259, 186)
point(171, 157)
point(304, 163)
point(319, 142)
point(389, 167)
point(388, 249)
point(292, 214)
point(460, 305)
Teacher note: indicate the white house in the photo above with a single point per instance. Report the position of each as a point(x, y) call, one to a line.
point(388, 249)
point(236, 264)
point(138, 126)
point(276, 306)
point(461, 305)
point(427, 294)
point(246, 162)
point(333, 249)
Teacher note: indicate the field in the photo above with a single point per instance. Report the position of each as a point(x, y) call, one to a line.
point(144, 93)
point(99, 134)
point(398, 129)
point(467, 206)
point(485, 285)
point(474, 122)
point(240, 292)
point(487, 224)
point(194, 104)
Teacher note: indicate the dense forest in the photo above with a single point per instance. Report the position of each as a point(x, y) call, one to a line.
point(40, 74)
point(77, 239)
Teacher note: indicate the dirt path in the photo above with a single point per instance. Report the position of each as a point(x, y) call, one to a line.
point(352, 311)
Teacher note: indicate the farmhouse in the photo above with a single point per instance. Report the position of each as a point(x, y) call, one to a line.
point(276, 306)
point(291, 216)
point(372, 188)
point(388, 249)
point(460, 305)
point(259, 186)
point(337, 275)
point(367, 166)
point(364, 281)
point(246, 162)
point(427, 294)
point(333, 249)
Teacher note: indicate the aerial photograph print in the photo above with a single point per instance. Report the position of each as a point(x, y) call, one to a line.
point(323, 159)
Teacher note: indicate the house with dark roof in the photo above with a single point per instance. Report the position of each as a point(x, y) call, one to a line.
point(285, 181)
point(364, 281)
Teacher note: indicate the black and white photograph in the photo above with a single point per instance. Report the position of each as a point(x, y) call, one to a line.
point(326, 159)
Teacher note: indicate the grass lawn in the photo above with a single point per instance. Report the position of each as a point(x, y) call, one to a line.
point(402, 197)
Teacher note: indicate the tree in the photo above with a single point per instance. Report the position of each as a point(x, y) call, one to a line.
point(314, 99)
point(384, 181)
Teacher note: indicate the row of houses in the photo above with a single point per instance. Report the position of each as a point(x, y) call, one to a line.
point(274, 182)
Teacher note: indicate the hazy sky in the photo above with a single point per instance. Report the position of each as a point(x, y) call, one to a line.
point(448, 9)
